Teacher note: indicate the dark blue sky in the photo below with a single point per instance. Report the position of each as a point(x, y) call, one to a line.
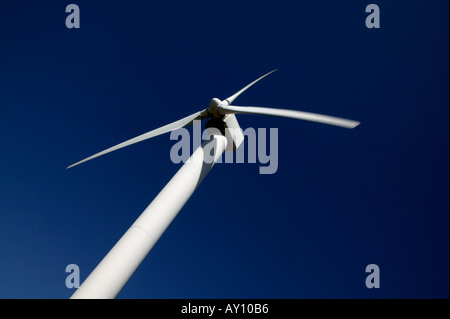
point(340, 200)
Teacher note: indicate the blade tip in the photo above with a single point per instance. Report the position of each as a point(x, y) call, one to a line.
point(75, 164)
point(356, 124)
point(350, 124)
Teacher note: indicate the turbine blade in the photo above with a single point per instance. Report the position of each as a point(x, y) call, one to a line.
point(235, 95)
point(164, 129)
point(299, 115)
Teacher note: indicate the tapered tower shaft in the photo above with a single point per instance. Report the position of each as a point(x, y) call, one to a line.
point(112, 273)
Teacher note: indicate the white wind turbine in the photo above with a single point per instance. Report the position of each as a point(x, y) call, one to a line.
point(112, 273)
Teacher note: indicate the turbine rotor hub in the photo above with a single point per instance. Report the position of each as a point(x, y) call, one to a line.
point(214, 106)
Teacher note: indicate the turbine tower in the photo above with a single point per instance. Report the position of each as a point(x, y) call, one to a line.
point(112, 273)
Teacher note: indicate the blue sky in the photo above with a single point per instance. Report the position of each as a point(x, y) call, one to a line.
point(340, 200)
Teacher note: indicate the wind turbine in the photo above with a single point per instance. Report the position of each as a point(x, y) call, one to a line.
point(112, 273)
